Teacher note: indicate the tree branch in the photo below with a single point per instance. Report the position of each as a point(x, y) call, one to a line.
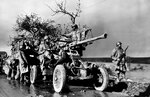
point(61, 8)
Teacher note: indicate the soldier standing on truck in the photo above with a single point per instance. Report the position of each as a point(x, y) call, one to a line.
point(46, 56)
point(73, 35)
point(43, 47)
point(84, 32)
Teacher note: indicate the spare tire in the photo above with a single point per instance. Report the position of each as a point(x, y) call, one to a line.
point(59, 78)
point(101, 79)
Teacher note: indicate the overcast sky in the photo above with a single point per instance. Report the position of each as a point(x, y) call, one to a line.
point(127, 21)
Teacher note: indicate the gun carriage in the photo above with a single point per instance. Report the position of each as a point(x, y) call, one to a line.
point(81, 70)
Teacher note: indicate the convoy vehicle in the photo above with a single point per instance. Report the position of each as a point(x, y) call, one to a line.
point(15, 67)
point(76, 69)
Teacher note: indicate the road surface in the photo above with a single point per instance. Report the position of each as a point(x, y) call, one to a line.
point(13, 88)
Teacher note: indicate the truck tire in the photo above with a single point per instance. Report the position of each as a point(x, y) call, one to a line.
point(59, 78)
point(101, 79)
point(33, 74)
point(18, 73)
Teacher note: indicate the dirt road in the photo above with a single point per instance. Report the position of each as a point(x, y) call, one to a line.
point(13, 88)
point(140, 87)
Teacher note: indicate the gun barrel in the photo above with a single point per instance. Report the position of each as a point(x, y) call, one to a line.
point(90, 40)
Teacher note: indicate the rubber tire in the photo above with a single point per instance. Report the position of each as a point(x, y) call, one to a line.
point(33, 74)
point(59, 78)
point(105, 80)
point(18, 73)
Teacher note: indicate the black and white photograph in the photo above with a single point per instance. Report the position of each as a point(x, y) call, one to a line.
point(74, 48)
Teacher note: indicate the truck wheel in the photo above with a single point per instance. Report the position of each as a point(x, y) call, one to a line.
point(18, 73)
point(59, 78)
point(101, 79)
point(33, 74)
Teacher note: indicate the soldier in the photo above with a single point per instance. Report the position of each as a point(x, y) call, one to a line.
point(118, 56)
point(74, 34)
point(22, 48)
point(63, 56)
point(46, 42)
point(41, 52)
point(84, 32)
point(25, 59)
point(23, 65)
point(46, 57)
point(13, 65)
point(117, 53)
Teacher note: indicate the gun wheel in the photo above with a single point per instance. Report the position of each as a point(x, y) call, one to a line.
point(59, 78)
point(101, 79)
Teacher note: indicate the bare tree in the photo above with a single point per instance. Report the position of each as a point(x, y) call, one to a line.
point(61, 8)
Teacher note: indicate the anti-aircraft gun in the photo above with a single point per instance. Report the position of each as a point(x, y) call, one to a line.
point(79, 70)
point(79, 46)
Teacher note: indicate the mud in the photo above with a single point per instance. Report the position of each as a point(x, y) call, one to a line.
point(13, 88)
point(139, 86)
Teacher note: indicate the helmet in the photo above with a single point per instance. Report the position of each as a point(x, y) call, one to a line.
point(46, 37)
point(118, 43)
point(75, 26)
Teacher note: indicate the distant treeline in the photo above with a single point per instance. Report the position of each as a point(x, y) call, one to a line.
point(144, 60)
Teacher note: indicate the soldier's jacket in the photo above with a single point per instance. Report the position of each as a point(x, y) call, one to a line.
point(41, 48)
point(73, 35)
point(117, 54)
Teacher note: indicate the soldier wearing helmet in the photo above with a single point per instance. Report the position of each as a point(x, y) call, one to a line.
point(117, 53)
point(63, 55)
point(74, 34)
point(118, 57)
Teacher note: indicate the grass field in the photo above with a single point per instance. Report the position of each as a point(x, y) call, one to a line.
point(139, 73)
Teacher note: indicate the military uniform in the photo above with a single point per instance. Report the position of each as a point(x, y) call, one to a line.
point(74, 35)
point(118, 58)
point(117, 53)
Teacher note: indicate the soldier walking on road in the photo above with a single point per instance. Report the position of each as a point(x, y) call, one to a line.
point(117, 53)
point(118, 57)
